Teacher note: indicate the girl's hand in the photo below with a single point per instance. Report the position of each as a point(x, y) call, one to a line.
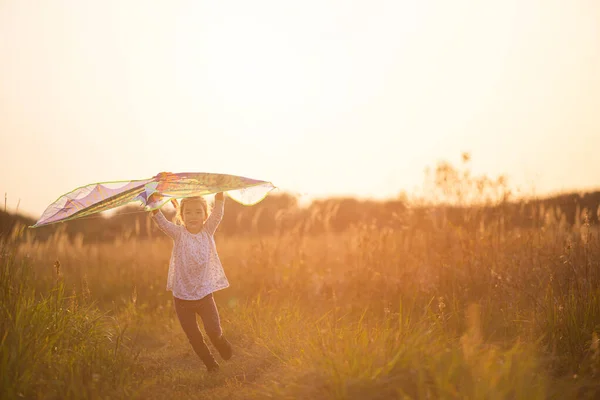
point(155, 198)
point(219, 196)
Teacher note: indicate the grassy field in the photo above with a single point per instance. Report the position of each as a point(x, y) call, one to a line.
point(414, 313)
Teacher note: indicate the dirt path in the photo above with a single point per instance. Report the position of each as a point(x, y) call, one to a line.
point(171, 370)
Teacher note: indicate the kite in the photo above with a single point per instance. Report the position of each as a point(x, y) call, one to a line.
point(97, 197)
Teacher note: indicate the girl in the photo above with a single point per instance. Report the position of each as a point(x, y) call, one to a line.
point(195, 272)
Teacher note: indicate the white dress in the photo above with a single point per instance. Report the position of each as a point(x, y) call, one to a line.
point(195, 270)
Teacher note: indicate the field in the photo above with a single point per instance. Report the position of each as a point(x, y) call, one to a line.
point(350, 277)
point(369, 313)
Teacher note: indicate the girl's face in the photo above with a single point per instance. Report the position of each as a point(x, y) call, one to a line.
point(193, 216)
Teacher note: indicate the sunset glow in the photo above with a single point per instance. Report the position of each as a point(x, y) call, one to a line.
point(321, 98)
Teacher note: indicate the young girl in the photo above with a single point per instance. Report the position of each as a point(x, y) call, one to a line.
point(195, 272)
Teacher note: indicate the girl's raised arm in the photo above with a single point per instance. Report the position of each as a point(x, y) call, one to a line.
point(169, 228)
point(215, 217)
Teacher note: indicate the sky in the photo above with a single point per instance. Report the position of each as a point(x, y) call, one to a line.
point(322, 98)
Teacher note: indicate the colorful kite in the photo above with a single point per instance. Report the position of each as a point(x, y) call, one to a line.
point(97, 197)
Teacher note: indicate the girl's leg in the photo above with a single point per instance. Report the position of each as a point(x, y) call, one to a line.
point(212, 324)
point(186, 314)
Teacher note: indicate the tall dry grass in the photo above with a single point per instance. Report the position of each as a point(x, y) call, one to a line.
point(429, 309)
point(426, 311)
point(54, 342)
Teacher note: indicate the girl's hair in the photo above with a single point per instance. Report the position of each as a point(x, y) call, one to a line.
point(179, 215)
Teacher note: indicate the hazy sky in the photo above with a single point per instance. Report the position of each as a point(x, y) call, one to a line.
point(320, 97)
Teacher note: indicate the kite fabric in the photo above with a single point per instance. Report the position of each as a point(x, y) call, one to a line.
point(97, 197)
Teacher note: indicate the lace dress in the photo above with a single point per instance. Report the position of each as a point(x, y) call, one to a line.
point(195, 270)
